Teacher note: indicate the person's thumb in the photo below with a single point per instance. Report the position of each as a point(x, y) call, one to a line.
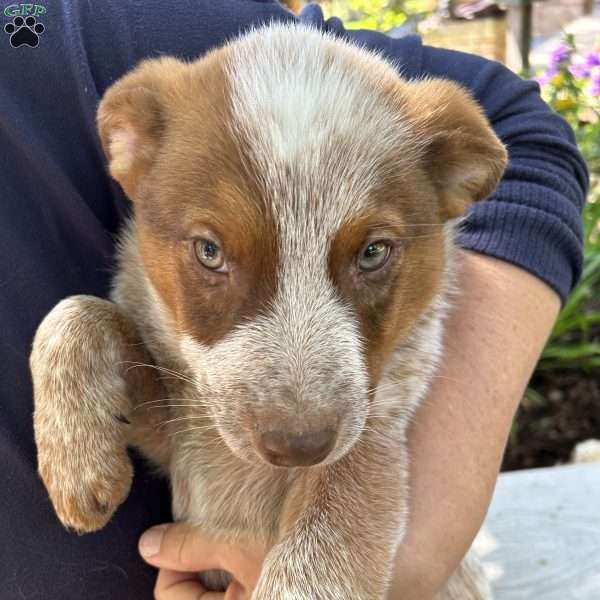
point(179, 547)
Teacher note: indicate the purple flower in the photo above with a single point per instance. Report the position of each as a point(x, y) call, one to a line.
point(579, 70)
point(560, 54)
point(592, 59)
point(583, 69)
point(595, 82)
point(543, 80)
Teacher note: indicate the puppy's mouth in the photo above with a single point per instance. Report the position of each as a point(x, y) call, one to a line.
point(277, 439)
point(274, 424)
point(274, 441)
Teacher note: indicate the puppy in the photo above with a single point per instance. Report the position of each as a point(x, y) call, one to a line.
point(277, 310)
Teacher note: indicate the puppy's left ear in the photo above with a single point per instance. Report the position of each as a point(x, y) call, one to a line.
point(461, 153)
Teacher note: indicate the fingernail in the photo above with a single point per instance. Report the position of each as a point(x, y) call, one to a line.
point(150, 541)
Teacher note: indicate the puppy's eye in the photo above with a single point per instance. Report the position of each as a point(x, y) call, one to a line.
point(373, 256)
point(209, 254)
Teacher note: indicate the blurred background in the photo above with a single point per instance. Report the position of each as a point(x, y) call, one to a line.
point(557, 42)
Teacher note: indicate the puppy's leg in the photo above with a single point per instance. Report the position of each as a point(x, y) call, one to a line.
point(341, 527)
point(467, 583)
point(83, 390)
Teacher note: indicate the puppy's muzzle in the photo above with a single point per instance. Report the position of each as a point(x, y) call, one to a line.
point(285, 449)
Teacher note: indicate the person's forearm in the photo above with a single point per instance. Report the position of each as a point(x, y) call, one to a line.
point(493, 339)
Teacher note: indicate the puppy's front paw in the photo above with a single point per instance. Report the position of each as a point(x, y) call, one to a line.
point(81, 408)
point(86, 481)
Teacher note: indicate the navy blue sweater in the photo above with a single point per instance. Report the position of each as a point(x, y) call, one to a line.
point(59, 212)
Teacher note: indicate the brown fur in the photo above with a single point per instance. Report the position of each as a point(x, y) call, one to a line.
point(389, 305)
point(171, 138)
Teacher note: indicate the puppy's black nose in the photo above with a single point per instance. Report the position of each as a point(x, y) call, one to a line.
point(296, 450)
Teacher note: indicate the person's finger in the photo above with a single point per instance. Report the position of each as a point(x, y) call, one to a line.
point(179, 547)
point(182, 547)
point(236, 592)
point(175, 585)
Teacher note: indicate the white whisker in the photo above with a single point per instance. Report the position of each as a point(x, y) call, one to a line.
point(163, 423)
point(175, 374)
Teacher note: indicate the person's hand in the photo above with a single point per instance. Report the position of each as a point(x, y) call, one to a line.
point(180, 551)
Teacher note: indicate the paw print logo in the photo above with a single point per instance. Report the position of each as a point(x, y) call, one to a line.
point(24, 32)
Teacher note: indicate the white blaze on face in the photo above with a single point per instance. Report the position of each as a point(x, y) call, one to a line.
point(313, 111)
point(309, 112)
point(320, 133)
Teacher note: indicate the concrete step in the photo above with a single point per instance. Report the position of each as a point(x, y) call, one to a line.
point(541, 539)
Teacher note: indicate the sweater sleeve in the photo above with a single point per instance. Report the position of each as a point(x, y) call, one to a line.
point(533, 219)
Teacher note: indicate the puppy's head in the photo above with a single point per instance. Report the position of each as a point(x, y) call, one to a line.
point(290, 192)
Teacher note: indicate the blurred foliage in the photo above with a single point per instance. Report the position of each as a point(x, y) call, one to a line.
point(383, 15)
point(571, 85)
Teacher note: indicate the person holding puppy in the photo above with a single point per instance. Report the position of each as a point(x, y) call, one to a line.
point(522, 254)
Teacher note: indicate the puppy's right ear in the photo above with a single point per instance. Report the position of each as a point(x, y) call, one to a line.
point(131, 120)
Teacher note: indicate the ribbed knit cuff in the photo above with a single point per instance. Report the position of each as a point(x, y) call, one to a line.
point(532, 239)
